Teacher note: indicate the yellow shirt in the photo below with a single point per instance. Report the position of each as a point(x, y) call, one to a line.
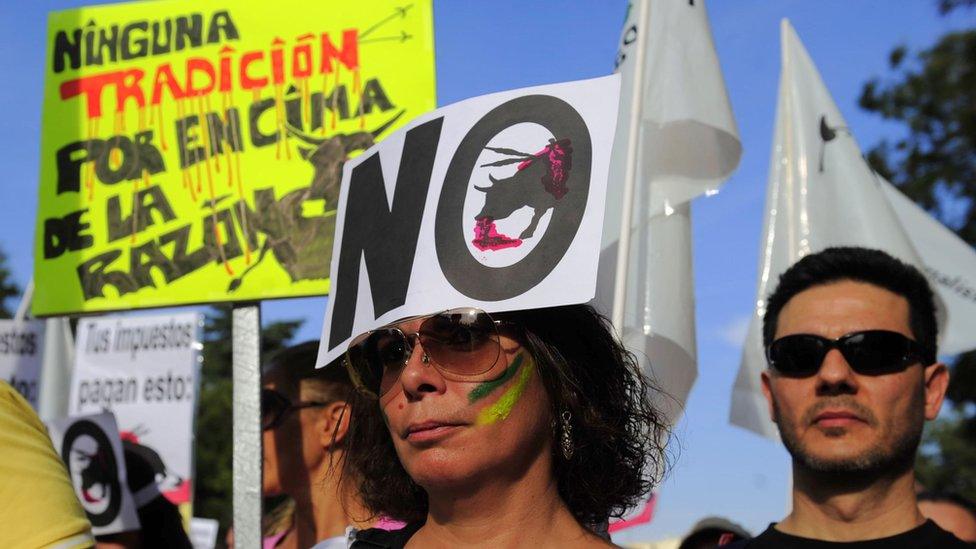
point(38, 506)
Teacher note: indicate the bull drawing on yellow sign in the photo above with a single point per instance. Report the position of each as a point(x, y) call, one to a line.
point(303, 245)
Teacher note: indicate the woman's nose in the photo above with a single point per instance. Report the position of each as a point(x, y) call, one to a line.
point(419, 376)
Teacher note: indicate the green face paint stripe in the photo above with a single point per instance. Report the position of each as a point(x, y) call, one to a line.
point(488, 387)
point(501, 409)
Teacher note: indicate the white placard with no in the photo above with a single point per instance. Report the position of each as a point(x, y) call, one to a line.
point(494, 202)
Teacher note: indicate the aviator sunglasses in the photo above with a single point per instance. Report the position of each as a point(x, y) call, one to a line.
point(461, 343)
point(275, 407)
point(871, 352)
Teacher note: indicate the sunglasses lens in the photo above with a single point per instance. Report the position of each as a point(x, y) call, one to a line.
point(273, 404)
point(376, 359)
point(391, 350)
point(878, 352)
point(797, 355)
point(461, 341)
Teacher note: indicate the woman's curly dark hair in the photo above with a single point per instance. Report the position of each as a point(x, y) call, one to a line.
point(619, 437)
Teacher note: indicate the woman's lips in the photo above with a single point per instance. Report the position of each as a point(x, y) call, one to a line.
point(430, 431)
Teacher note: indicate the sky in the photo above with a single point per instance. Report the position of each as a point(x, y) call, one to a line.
point(489, 46)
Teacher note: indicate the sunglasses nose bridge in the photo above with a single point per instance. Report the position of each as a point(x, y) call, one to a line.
point(835, 367)
point(417, 377)
point(413, 342)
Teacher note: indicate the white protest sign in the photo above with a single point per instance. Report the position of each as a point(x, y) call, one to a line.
point(495, 202)
point(92, 451)
point(21, 349)
point(145, 370)
point(203, 533)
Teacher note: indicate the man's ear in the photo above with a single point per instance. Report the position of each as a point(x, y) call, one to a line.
point(333, 424)
point(936, 384)
point(767, 390)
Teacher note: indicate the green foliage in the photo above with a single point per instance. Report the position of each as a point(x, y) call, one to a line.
point(8, 289)
point(945, 6)
point(932, 94)
point(214, 438)
point(950, 465)
point(934, 97)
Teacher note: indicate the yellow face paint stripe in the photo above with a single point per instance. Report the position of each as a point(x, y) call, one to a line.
point(503, 406)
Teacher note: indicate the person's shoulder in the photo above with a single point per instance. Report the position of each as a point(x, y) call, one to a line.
point(41, 506)
point(925, 536)
point(932, 535)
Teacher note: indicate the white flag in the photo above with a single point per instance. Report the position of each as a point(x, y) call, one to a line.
point(686, 144)
point(950, 264)
point(821, 193)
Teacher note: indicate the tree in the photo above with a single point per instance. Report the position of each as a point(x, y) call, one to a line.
point(214, 439)
point(8, 289)
point(933, 95)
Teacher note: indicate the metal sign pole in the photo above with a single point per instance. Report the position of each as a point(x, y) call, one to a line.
point(247, 458)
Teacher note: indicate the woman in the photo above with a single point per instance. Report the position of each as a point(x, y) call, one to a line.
point(305, 422)
point(517, 429)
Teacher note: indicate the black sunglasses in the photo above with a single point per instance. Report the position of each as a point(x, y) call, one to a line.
point(275, 407)
point(461, 343)
point(871, 352)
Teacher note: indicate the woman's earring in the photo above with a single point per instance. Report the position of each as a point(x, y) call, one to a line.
point(566, 435)
point(424, 358)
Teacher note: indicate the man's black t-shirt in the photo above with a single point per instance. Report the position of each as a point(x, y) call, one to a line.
point(926, 536)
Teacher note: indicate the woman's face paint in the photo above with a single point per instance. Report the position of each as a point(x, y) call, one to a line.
point(488, 387)
point(501, 409)
point(497, 420)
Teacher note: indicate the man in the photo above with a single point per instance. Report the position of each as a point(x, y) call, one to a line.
point(951, 512)
point(305, 425)
point(850, 337)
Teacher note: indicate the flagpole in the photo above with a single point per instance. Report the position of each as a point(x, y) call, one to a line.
point(630, 177)
point(25, 301)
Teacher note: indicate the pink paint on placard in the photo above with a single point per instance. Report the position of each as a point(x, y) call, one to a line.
point(487, 237)
point(559, 155)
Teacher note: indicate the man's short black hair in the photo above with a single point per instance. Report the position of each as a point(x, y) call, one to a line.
point(860, 265)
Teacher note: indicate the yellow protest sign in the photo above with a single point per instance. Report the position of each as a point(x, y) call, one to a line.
point(191, 152)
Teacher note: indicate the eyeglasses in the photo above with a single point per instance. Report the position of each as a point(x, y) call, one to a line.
point(871, 352)
point(462, 344)
point(275, 406)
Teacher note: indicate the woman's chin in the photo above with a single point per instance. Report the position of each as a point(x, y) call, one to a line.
point(439, 474)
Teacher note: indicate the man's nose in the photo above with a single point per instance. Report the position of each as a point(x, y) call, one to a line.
point(835, 374)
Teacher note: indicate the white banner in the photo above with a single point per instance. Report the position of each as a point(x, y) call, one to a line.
point(686, 144)
point(950, 264)
point(494, 202)
point(145, 370)
point(21, 351)
point(92, 451)
point(821, 193)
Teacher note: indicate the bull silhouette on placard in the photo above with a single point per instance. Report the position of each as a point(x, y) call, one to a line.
point(539, 183)
point(96, 474)
point(303, 245)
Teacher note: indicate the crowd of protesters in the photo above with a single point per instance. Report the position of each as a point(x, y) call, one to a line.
point(533, 428)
